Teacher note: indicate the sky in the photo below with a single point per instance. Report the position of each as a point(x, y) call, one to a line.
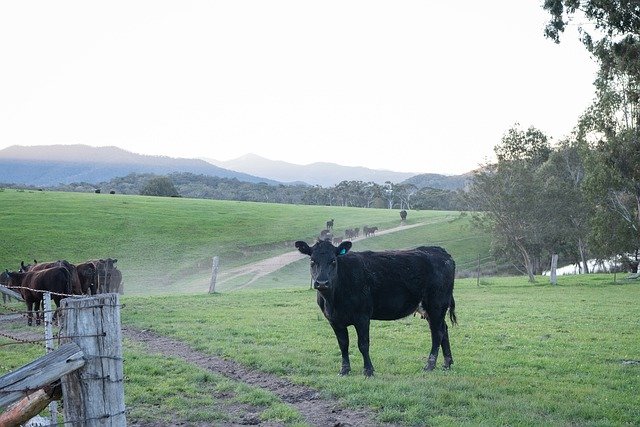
point(409, 86)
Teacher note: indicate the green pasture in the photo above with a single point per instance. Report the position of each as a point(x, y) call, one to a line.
point(524, 354)
point(167, 244)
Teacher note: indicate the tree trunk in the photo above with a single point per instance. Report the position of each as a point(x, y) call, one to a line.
point(583, 255)
point(528, 264)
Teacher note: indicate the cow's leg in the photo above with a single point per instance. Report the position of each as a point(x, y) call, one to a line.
point(39, 315)
point(446, 348)
point(29, 313)
point(343, 341)
point(436, 324)
point(362, 328)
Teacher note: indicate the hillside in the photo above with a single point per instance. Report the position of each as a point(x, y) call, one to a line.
point(50, 165)
point(440, 182)
point(167, 244)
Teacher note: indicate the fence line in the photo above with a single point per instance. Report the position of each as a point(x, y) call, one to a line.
point(94, 396)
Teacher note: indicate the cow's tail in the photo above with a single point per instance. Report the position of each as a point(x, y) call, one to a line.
point(67, 279)
point(452, 311)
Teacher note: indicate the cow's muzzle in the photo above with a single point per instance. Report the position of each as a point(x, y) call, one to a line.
point(321, 285)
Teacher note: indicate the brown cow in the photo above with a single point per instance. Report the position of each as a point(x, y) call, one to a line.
point(87, 273)
point(76, 286)
point(33, 283)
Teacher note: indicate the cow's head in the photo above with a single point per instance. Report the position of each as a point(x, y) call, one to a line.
point(14, 278)
point(324, 261)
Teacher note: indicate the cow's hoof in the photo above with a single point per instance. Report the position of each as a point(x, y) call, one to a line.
point(431, 364)
point(448, 361)
point(367, 372)
point(344, 371)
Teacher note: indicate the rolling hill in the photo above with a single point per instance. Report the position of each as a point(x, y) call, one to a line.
point(50, 165)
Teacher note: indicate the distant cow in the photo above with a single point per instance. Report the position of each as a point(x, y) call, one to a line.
point(330, 224)
point(33, 283)
point(403, 215)
point(356, 287)
point(369, 231)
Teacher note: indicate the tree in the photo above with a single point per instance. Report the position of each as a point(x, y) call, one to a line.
point(563, 176)
point(612, 123)
point(508, 196)
point(159, 186)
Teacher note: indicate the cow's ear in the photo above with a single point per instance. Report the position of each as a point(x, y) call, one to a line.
point(343, 248)
point(303, 247)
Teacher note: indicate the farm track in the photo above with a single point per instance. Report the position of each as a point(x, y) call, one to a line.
point(267, 266)
point(316, 410)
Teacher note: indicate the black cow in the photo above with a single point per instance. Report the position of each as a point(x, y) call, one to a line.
point(403, 215)
point(330, 224)
point(355, 287)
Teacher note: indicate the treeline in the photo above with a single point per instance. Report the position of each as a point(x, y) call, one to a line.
point(346, 193)
point(580, 198)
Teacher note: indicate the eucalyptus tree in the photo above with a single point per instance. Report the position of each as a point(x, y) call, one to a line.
point(507, 196)
point(610, 31)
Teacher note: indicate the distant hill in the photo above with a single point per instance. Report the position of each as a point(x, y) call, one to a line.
point(440, 182)
point(324, 174)
point(330, 174)
point(50, 165)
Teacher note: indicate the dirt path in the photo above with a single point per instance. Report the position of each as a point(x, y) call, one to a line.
point(267, 266)
point(308, 402)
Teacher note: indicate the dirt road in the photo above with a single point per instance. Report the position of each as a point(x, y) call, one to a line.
point(260, 269)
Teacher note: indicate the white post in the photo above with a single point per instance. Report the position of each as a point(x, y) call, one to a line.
point(554, 266)
point(214, 274)
point(48, 339)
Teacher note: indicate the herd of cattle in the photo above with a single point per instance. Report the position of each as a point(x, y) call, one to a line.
point(349, 233)
point(62, 279)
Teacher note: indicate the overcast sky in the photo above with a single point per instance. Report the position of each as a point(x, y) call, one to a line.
point(411, 86)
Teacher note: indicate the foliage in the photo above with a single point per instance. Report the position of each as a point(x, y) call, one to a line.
point(612, 124)
point(159, 186)
point(511, 199)
point(346, 193)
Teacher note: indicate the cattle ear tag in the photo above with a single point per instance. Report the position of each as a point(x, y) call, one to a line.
point(343, 251)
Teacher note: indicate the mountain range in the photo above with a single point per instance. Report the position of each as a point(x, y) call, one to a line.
point(51, 165)
point(320, 173)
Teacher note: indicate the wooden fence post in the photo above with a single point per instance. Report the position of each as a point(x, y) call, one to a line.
point(48, 340)
point(214, 274)
point(94, 395)
point(554, 266)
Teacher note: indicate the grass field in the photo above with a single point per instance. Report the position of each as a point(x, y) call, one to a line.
point(525, 354)
point(167, 244)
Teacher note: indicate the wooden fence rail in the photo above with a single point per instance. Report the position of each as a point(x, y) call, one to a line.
point(39, 373)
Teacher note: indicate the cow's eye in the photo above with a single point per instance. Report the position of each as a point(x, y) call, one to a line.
point(333, 263)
